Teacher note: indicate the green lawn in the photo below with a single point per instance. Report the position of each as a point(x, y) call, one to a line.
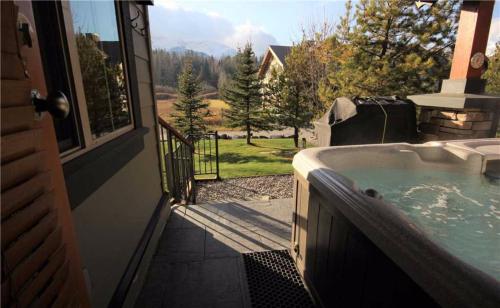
point(264, 157)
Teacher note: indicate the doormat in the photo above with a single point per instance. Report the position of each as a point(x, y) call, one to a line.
point(273, 280)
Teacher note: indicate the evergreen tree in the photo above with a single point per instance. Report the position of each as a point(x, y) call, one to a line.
point(492, 75)
point(287, 105)
point(104, 86)
point(389, 47)
point(189, 108)
point(243, 95)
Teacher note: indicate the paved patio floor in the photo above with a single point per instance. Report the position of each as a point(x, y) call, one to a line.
point(198, 261)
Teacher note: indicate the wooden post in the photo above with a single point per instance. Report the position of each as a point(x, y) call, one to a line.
point(472, 37)
point(462, 110)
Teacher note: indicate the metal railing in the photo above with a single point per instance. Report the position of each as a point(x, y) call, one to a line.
point(206, 156)
point(177, 164)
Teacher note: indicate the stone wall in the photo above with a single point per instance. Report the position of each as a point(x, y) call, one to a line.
point(449, 124)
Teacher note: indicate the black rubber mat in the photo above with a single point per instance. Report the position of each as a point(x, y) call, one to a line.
point(273, 280)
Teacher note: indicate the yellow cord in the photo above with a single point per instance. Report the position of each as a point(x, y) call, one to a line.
point(385, 120)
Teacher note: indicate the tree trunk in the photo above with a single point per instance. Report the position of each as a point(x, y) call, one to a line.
point(296, 136)
point(248, 134)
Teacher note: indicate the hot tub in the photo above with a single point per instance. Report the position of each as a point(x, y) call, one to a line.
point(399, 225)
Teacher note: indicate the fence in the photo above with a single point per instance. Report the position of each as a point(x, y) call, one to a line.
point(206, 156)
point(177, 164)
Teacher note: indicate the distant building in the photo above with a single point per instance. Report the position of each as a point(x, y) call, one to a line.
point(274, 58)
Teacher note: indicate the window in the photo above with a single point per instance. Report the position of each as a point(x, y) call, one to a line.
point(98, 73)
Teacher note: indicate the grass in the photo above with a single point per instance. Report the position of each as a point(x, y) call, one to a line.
point(217, 103)
point(264, 157)
point(214, 122)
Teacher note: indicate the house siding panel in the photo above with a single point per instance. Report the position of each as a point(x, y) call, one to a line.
point(146, 95)
point(274, 64)
point(111, 221)
point(140, 45)
point(142, 70)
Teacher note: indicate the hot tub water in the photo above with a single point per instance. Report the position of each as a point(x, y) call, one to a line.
point(459, 212)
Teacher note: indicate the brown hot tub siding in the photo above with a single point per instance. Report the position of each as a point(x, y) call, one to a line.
point(334, 218)
point(341, 266)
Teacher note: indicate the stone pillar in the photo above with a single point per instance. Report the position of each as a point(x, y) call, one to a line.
point(462, 110)
point(449, 124)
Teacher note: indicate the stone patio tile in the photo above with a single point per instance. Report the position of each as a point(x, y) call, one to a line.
point(154, 287)
point(282, 202)
point(202, 216)
point(261, 211)
point(226, 244)
point(276, 240)
point(204, 284)
point(176, 219)
point(237, 214)
point(184, 244)
point(198, 261)
point(218, 222)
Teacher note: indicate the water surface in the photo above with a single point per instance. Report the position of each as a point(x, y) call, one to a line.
point(459, 212)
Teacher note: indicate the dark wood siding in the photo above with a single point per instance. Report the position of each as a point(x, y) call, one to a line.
point(341, 266)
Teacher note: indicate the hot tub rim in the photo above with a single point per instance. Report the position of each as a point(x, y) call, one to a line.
point(451, 281)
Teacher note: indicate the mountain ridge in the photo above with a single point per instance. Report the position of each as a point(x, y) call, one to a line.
point(208, 48)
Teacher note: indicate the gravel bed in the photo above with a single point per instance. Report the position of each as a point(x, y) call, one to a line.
point(246, 188)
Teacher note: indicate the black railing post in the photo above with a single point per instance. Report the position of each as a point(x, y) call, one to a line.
point(172, 183)
point(178, 163)
point(191, 173)
point(163, 164)
point(217, 154)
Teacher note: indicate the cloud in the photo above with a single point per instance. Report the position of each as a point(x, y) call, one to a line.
point(174, 26)
point(168, 4)
point(494, 36)
point(245, 33)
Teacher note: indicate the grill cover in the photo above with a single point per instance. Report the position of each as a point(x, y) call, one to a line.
point(361, 121)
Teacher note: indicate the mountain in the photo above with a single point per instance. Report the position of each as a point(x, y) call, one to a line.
point(183, 50)
point(210, 48)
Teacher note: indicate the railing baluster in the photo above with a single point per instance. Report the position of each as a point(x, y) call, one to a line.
point(210, 152)
point(217, 155)
point(204, 155)
point(184, 171)
point(185, 157)
point(204, 149)
point(199, 156)
point(173, 185)
point(177, 163)
point(179, 168)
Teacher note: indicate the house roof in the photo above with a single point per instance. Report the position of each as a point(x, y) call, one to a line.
point(280, 52)
point(276, 51)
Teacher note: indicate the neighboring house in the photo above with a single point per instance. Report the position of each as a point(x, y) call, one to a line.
point(81, 196)
point(273, 59)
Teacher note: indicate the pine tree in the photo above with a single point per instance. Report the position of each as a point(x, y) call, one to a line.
point(189, 108)
point(105, 90)
point(492, 75)
point(389, 47)
point(287, 106)
point(243, 95)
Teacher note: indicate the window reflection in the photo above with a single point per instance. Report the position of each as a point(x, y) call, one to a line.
point(102, 66)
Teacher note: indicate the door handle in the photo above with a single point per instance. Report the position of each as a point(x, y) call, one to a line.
point(55, 103)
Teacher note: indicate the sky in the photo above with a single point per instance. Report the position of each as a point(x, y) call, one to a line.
point(95, 17)
point(211, 26)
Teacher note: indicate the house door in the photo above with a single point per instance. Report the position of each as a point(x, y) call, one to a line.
point(40, 262)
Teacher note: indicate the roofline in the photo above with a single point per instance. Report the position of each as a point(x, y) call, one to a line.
point(277, 58)
point(264, 64)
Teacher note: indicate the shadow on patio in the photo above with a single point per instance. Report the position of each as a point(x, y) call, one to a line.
point(198, 262)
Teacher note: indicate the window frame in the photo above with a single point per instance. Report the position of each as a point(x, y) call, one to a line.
point(87, 142)
point(89, 169)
